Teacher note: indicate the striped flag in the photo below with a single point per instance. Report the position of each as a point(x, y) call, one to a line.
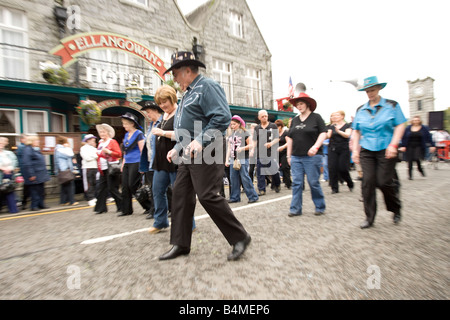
point(291, 88)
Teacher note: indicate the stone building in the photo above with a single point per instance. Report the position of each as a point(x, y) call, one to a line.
point(421, 98)
point(107, 45)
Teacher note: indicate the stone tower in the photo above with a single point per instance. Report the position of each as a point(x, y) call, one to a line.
point(421, 98)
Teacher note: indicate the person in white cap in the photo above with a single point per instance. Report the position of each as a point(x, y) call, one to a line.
point(88, 153)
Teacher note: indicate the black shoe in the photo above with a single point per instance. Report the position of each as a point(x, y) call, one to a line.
point(334, 191)
point(45, 207)
point(253, 201)
point(231, 201)
point(277, 189)
point(176, 251)
point(290, 214)
point(397, 218)
point(122, 214)
point(149, 216)
point(35, 209)
point(100, 212)
point(365, 225)
point(239, 248)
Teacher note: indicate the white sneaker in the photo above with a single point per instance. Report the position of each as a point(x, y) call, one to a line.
point(110, 199)
point(92, 202)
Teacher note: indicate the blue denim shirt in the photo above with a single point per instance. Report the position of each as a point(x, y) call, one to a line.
point(203, 113)
point(146, 163)
point(63, 158)
point(377, 124)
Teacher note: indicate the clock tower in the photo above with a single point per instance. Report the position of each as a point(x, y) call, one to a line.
point(421, 98)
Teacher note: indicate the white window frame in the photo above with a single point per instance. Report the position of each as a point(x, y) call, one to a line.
point(236, 24)
point(253, 82)
point(6, 24)
point(221, 69)
point(25, 120)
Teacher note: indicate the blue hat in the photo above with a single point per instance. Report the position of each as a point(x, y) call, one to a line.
point(89, 136)
point(370, 82)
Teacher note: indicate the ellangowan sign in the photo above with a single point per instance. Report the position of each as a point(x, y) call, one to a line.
point(78, 44)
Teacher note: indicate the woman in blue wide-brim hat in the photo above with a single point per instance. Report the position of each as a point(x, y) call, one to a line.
point(377, 130)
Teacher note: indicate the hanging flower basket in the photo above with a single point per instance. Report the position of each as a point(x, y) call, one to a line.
point(89, 112)
point(53, 73)
point(287, 106)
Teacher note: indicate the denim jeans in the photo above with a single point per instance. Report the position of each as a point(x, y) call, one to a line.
point(271, 166)
point(238, 176)
point(311, 167)
point(325, 167)
point(67, 194)
point(161, 181)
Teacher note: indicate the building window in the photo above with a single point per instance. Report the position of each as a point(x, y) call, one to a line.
point(108, 70)
point(253, 86)
point(165, 54)
point(10, 125)
point(13, 33)
point(222, 73)
point(35, 121)
point(137, 2)
point(143, 2)
point(236, 24)
point(58, 122)
point(419, 105)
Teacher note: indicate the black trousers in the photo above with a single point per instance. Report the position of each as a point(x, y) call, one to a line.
point(285, 168)
point(131, 180)
point(205, 181)
point(379, 172)
point(339, 166)
point(91, 174)
point(108, 183)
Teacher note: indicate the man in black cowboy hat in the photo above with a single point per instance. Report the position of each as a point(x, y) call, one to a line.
point(203, 106)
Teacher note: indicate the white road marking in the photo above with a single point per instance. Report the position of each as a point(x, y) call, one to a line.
point(125, 234)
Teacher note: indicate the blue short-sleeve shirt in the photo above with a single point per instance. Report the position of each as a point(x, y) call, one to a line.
point(133, 155)
point(377, 124)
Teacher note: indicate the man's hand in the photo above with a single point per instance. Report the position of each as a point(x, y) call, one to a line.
point(193, 149)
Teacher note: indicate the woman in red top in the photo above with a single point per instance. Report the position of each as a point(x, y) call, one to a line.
point(109, 152)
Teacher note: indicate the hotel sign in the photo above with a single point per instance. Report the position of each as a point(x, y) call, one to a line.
point(78, 44)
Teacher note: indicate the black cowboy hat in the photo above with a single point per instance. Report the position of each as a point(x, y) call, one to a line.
point(133, 118)
point(183, 58)
point(152, 105)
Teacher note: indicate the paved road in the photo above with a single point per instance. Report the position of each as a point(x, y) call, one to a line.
point(75, 254)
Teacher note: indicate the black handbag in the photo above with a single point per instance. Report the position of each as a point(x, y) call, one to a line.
point(114, 168)
point(65, 176)
point(7, 187)
point(144, 196)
